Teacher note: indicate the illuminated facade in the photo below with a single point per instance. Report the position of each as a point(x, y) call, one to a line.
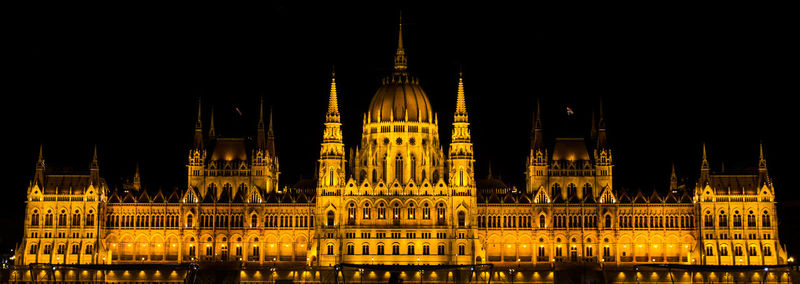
point(399, 198)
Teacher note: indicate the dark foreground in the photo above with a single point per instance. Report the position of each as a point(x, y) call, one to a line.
point(236, 273)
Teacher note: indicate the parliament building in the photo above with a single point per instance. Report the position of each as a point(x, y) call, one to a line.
point(401, 196)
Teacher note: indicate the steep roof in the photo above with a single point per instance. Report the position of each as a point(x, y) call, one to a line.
point(570, 149)
point(229, 149)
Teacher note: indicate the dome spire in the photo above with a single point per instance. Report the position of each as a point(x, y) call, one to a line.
point(400, 63)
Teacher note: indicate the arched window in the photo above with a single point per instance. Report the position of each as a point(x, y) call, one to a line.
point(48, 218)
point(723, 219)
point(398, 168)
point(572, 189)
point(351, 250)
point(380, 249)
point(708, 219)
point(751, 219)
point(587, 190)
point(410, 249)
point(76, 218)
point(440, 212)
point(426, 249)
point(542, 222)
point(331, 218)
point(765, 220)
point(737, 219)
point(461, 177)
point(90, 218)
point(395, 249)
point(608, 221)
point(189, 221)
point(62, 218)
point(374, 176)
point(365, 249)
point(556, 190)
point(462, 219)
point(435, 176)
point(351, 213)
point(35, 218)
point(254, 220)
point(440, 249)
point(330, 249)
point(709, 251)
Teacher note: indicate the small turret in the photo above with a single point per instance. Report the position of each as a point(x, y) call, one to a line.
point(673, 180)
point(704, 169)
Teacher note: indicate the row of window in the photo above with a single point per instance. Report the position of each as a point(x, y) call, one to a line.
point(737, 251)
point(62, 218)
point(61, 249)
point(708, 219)
point(410, 249)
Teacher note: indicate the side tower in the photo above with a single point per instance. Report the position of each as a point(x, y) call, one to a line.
point(331, 173)
point(62, 217)
point(462, 182)
point(537, 159)
point(738, 217)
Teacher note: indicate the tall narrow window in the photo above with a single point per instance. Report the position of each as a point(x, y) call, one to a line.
point(331, 218)
point(413, 165)
point(398, 168)
point(462, 219)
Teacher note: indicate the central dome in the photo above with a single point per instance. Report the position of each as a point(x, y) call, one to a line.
point(397, 97)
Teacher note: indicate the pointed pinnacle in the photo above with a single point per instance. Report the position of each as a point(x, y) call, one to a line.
point(199, 123)
point(94, 158)
point(270, 119)
point(461, 105)
point(41, 156)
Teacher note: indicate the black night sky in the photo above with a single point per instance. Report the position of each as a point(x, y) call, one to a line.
point(671, 77)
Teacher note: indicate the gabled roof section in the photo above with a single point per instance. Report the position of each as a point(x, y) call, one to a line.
point(655, 198)
point(624, 198)
point(493, 198)
point(287, 198)
point(114, 198)
point(173, 197)
point(589, 199)
point(573, 199)
point(209, 198)
point(639, 198)
point(481, 198)
point(301, 198)
point(685, 198)
point(558, 199)
point(670, 198)
point(159, 198)
point(144, 197)
point(509, 198)
point(524, 199)
point(128, 198)
point(272, 197)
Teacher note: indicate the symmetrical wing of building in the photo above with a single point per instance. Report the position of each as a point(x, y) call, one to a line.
point(399, 198)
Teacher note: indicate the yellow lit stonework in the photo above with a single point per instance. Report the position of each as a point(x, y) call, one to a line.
point(400, 196)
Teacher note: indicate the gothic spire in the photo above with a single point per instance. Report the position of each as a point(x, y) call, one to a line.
point(94, 158)
point(461, 104)
point(211, 132)
point(270, 135)
point(762, 163)
point(333, 104)
point(137, 181)
point(40, 161)
point(673, 179)
point(537, 142)
point(261, 141)
point(704, 165)
point(198, 127)
point(602, 142)
point(400, 63)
